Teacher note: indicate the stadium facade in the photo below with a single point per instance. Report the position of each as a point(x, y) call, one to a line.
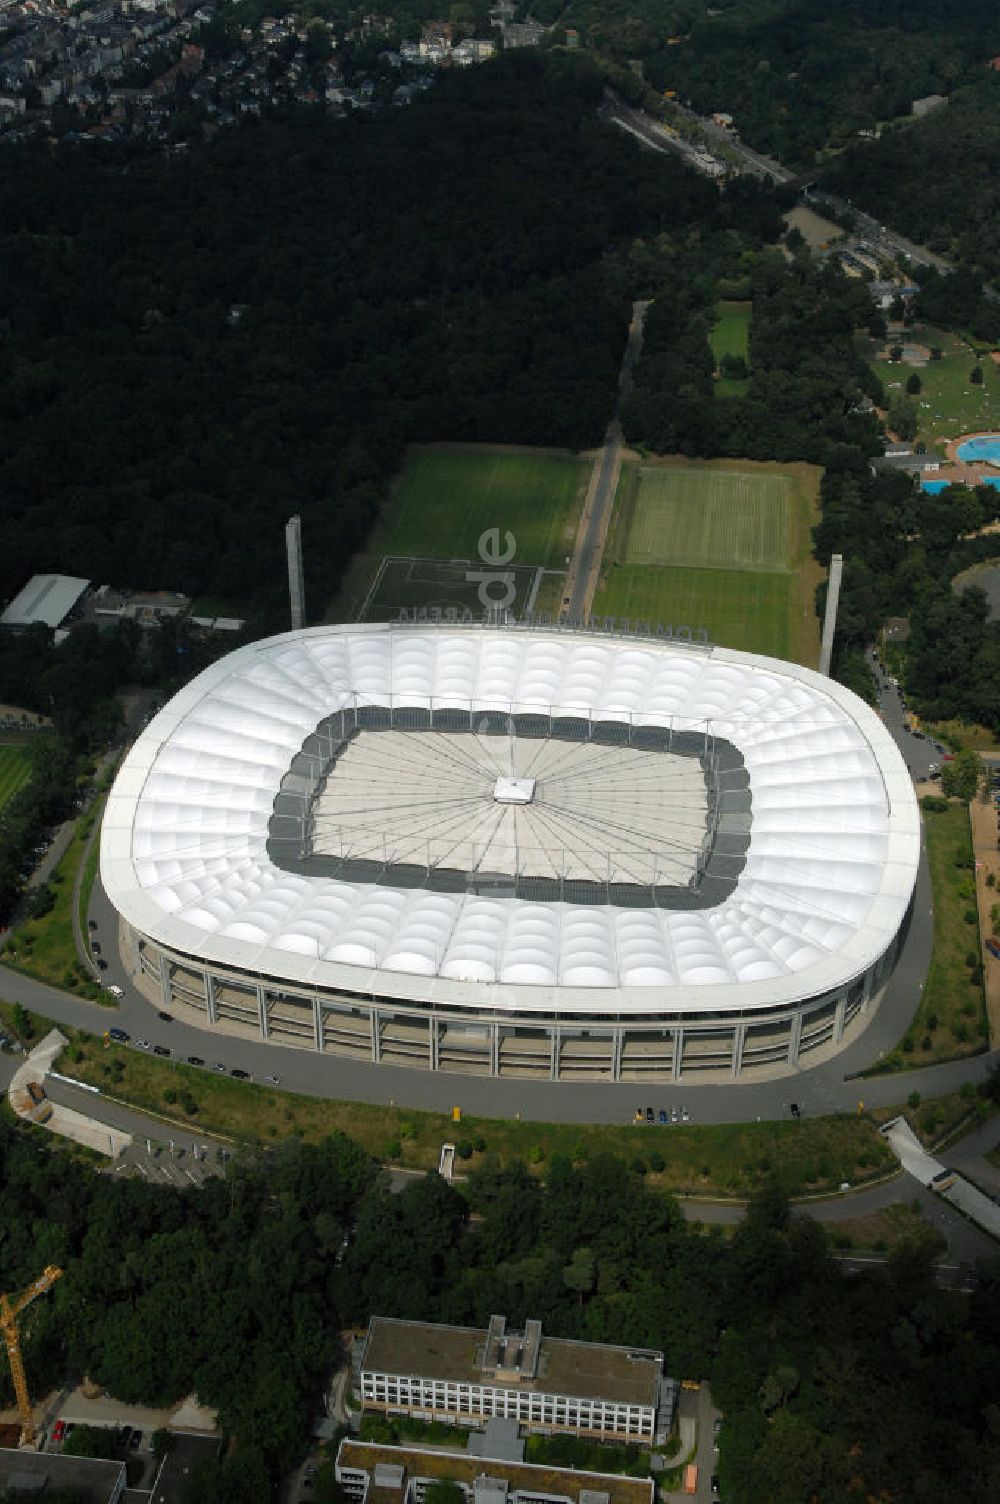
point(515, 851)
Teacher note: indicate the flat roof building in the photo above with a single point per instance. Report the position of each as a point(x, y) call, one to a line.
point(374, 1474)
point(46, 598)
point(468, 1375)
point(36, 1475)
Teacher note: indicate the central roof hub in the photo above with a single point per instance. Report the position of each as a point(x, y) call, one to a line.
point(514, 790)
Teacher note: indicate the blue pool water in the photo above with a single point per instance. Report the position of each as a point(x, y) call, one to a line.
point(985, 448)
point(935, 487)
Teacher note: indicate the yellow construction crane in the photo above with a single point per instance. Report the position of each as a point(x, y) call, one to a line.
point(10, 1310)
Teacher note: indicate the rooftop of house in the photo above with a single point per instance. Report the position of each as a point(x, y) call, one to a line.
point(546, 1365)
point(534, 1478)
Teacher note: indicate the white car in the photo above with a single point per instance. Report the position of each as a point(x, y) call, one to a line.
point(932, 768)
point(114, 990)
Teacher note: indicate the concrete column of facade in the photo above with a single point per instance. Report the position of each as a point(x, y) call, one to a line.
point(433, 1042)
point(616, 1055)
point(376, 1026)
point(554, 1058)
point(739, 1040)
point(318, 1024)
point(794, 1039)
point(494, 1049)
point(678, 1054)
point(210, 1008)
point(262, 1019)
point(165, 978)
point(839, 1019)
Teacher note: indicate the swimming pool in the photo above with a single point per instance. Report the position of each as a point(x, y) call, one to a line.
point(986, 447)
point(935, 487)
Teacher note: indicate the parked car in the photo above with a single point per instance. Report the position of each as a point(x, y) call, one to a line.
point(115, 991)
point(143, 1044)
point(95, 946)
point(674, 1115)
point(59, 1431)
point(663, 1115)
point(274, 1080)
point(195, 1060)
point(168, 1018)
point(795, 1110)
point(650, 1115)
point(685, 1115)
point(218, 1066)
point(91, 924)
point(118, 1035)
point(160, 1049)
point(102, 965)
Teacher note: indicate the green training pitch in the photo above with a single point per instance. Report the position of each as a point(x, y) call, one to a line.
point(720, 544)
point(709, 518)
point(444, 501)
point(750, 610)
point(15, 770)
point(443, 585)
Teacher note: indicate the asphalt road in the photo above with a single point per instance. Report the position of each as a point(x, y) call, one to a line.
point(587, 558)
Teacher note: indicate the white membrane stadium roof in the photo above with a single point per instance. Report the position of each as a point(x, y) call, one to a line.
point(830, 869)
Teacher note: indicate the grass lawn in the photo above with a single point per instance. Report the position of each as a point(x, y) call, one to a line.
point(951, 1017)
point(893, 1227)
point(731, 336)
point(445, 499)
point(726, 1160)
point(15, 769)
point(754, 612)
point(948, 404)
point(720, 544)
point(45, 947)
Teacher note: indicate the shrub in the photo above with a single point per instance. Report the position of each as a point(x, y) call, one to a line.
point(961, 1032)
point(976, 974)
point(880, 1245)
point(639, 1166)
point(169, 1095)
point(479, 1144)
point(393, 1149)
point(932, 1022)
point(407, 1129)
point(656, 1162)
point(463, 1149)
point(914, 1099)
point(189, 1104)
point(970, 916)
point(967, 1091)
point(991, 879)
point(536, 1154)
point(926, 1043)
point(908, 1045)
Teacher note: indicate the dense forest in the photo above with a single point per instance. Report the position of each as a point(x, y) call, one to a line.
point(832, 1386)
point(796, 76)
point(937, 181)
point(806, 379)
point(194, 348)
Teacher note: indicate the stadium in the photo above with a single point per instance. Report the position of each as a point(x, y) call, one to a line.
point(517, 851)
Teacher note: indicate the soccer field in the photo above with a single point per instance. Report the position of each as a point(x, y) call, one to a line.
point(444, 502)
point(15, 770)
point(723, 545)
point(707, 518)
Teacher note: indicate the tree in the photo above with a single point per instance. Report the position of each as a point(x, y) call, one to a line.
point(913, 384)
point(902, 418)
point(976, 376)
point(580, 1273)
point(962, 778)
